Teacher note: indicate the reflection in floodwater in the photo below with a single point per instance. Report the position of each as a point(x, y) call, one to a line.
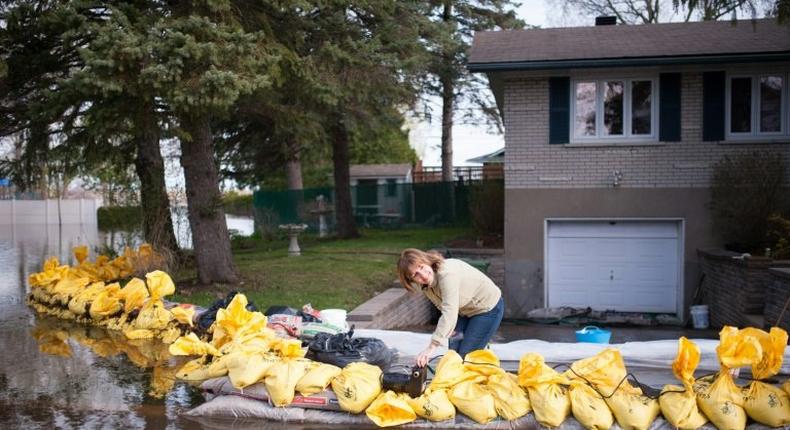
point(61, 374)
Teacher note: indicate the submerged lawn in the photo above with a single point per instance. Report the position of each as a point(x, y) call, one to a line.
point(330, 273)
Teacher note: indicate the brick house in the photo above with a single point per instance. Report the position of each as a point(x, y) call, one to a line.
point(611, 135)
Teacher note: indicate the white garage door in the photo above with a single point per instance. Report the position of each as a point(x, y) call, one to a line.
point(627, 266)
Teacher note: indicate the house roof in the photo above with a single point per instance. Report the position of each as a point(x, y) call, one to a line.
point(497, 156)
point(380, 170)
point(631, 45)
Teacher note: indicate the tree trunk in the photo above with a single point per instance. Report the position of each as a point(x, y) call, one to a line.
point(206, 217)
point(150, 168)
point(293, 176)
point(346, 225)
point(448, 100)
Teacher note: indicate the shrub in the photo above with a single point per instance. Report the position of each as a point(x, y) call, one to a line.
point(487, 206)
point(746, 190)
point(779, 236)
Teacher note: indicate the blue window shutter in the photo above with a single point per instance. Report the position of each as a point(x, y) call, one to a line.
point(559, 109)
point(669, 107)
point(713, 84)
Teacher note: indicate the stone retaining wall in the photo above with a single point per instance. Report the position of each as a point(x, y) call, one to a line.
point(777, 311)
point(735, 288)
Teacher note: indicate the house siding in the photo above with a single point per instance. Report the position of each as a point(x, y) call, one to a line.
point(662, 179)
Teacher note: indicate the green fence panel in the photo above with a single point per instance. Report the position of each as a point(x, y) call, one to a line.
point(376, 205)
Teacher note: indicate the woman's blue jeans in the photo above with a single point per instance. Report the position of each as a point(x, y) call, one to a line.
point(473, 333)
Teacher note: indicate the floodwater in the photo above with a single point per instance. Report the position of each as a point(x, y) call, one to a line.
point(61, 374)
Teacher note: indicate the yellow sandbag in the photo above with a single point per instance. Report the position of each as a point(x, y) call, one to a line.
point(483, 362)
point(191, 345)
point(288, 348)
point(721, 402)
point(183, 315)
point(433, 406)
point(631, 408)
point(603, 370)
point(159, 284)
point(473, 401)
point(78, 305)
point(247, 367)
point(197, 370)
point(153, 316)
point(235, 320)
point(80, 253)
point(282, 378)
point(449, 371)
point(548, 395)
point(679, 408)
point(317, 379)
point(679, 404)
point(357, 385)
point(588, 407)
point(390, 409)
point(767, 404)
point(510, 400)
point(67, 287)
point(773, 345)
point(106, 302)
point(133, 294)
point(738, 349)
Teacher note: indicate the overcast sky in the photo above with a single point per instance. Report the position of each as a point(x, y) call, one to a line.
point(469, 141)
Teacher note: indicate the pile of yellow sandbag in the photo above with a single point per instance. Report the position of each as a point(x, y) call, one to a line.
point(83, 293)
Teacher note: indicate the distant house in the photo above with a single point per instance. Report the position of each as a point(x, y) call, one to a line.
point(378, 187)
point(611, 133)
point(493, 164)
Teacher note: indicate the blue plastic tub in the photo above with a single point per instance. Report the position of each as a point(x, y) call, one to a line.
point(593, 334)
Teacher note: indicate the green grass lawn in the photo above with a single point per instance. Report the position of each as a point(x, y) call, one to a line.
point(330, 273)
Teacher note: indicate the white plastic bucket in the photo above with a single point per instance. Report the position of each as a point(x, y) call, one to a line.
point(699, 316)
point(336, 317)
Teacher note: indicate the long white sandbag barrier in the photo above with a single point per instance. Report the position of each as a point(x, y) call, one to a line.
point(657, 354)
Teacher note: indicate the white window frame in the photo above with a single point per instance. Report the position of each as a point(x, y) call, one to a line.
point(755, 132)
point(626, 137)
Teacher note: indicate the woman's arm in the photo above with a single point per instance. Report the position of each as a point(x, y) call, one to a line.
point(444, 328)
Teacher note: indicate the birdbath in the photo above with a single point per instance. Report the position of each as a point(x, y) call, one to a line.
point(293, 231)
point(321, 210)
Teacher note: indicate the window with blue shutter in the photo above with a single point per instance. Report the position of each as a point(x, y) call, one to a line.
point(559, 109)
point(669, 107)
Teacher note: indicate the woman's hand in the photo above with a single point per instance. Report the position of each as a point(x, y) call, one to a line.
point(425, 356)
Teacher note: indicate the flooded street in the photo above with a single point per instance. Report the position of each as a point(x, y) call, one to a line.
point(61, 374)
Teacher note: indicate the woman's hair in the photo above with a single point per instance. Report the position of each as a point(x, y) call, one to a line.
point(411, 256)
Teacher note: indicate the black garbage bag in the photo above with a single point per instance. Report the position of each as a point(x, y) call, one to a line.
point(207, 318)
point(341, 349)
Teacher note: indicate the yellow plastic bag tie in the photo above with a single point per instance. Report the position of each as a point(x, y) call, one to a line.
point(433, 406)
point(183, 315)
point(390, 409)
point(106, 302)
point(773, 346)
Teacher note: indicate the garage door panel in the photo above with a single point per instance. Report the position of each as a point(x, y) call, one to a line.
point(634, 271)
